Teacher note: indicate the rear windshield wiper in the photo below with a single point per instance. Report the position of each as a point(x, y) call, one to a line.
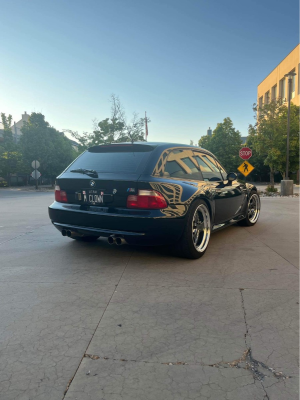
point(91, 172)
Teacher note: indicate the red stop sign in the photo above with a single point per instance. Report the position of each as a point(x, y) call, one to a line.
point(245, 153)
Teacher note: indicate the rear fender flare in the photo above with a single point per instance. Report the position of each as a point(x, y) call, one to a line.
point(210, 206)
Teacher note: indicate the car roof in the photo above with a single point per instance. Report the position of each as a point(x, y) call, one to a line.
point(164, 145)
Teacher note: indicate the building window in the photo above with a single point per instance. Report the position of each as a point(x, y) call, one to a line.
point(282, 89)
point(298, 79)
point(274, 92)
point(267, 97)
point(260, 102)
point(293, 88)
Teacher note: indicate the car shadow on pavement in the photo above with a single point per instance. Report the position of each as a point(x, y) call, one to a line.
point(163, 251)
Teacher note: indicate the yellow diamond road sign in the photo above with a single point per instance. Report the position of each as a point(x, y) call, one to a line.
point(245, 168)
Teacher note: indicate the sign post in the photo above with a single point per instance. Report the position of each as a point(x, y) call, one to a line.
point(245, 153)
point(35, 174)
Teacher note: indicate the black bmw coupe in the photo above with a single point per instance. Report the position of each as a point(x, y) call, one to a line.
point(150, 194)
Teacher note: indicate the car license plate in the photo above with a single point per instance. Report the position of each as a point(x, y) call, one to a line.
point(92, 196)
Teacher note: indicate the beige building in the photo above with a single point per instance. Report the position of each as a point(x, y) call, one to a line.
point(17, 126)
point(275, 85)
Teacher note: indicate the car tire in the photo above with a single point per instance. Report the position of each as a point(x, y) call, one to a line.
point(252, 211)
point(86, 238)
point(196, 234)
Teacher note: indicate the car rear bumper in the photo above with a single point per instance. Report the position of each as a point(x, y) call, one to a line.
point(136, 226)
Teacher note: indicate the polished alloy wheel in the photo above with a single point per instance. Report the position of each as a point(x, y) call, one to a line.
point(201, 228)
point(253, 208)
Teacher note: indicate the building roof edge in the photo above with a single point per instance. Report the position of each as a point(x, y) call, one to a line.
point(279, 63)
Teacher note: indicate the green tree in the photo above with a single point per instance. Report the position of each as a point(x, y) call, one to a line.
point(7, 132)
point(112, 130)
point(261, 170)
point(40, 141)
point(204, 142)
point(225, 144)
point(10, 156)
point(269, 134)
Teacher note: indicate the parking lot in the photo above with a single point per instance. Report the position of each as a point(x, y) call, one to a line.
point(93, 321)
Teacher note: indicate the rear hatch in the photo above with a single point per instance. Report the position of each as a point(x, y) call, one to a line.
point(105, 175)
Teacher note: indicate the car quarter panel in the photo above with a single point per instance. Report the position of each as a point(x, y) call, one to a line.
point(179, 194)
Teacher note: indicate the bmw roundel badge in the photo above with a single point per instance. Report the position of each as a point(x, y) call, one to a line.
point(92, 183)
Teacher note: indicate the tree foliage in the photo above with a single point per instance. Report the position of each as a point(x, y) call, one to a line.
point(40, 141)
point(204, 142)
point(10, 156)
point(225, 144)
point(269, 136)
point(261, 171)
point(112, 130)
point(7, 143)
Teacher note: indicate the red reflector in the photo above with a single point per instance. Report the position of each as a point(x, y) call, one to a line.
point(60, 195)
point(148, 199)
point(132, 201)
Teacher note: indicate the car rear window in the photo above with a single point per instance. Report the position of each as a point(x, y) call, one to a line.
point(114, 158)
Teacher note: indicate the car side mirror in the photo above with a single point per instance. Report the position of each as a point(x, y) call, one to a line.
point(232, 176)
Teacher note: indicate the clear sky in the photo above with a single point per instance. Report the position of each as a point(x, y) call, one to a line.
point(188, 63)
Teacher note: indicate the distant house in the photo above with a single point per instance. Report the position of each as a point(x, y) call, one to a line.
point(74, 144)
point(16, 131)
point(17, 126)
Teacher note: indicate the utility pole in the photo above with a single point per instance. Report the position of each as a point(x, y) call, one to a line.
point(36, 180)
point(287, 187)
point(290, 78)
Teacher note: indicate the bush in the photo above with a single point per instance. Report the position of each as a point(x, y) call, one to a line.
point(3, 183)
point(271, 189)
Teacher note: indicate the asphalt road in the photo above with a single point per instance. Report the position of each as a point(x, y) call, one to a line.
point(90, 321)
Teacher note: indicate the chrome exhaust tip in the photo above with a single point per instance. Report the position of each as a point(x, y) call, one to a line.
point(111, 240)
point(69, 233)
point(64, 232)
point(120, 241)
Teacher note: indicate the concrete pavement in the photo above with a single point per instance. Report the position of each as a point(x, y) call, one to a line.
point(90, 321)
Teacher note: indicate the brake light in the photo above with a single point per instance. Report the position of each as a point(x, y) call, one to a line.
point(149, 199)
point(60, 195)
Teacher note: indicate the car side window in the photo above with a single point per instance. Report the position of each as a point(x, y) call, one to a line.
point(182, 164)
point(223, 172)
point(209, 168)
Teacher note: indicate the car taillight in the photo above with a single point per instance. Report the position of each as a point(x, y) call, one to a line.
point(149, 199)
point(60, 195)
